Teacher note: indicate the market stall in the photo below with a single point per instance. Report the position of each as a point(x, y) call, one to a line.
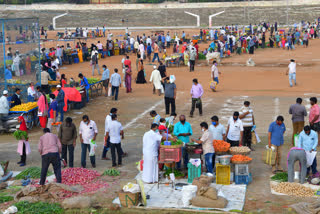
point(29, 112)
point(175, 59)
point(72, 95)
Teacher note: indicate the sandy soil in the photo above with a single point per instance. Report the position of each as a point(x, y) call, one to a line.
point(265, 86)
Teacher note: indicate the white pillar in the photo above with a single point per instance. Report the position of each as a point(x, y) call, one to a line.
point(56, 17)
point(210, 18)
point(198, 17)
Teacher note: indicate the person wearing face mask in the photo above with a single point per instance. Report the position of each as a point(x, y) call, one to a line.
point(196, 94)
point(235, 130)
point(308, 140)
point(216, 129)
point(247, 119)
point(156, 117)
point(68, 135)
point(60, 101)
point(183, 131)
point(151, 143)
point(275, 138)
point(15, 100)
point(88, 131)
point(207, 146)
point(170, 92)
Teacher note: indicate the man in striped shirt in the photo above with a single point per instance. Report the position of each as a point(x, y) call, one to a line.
point(246, 115)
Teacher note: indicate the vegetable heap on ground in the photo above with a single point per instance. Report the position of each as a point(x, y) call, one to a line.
point(85, 177)
point(20, 135)
point(293, 189)
point(34, 172)
point(111, 172)
point(221, 146)
point(25, 207)
point(178, 142)
point(177, 173)
point(280, 177)
point(240, 158)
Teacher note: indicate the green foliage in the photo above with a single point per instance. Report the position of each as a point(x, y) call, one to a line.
point(25, 207)
point(19, 135)
point(111, 172)
point(177, 173)
point(5, 198)
point(280, 177)
point(34, 172)
point(202, 56)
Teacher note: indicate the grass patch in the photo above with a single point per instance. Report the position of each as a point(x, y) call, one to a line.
point(25, 207)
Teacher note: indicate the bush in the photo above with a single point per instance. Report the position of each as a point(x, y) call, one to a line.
point(25, 207)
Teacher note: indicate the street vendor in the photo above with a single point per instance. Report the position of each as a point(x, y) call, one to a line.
point(183, 131)
point(297, 154)
point(84, 83)
point(308, 140)
point(151, 142)
point(15, 100)
point(207, 146)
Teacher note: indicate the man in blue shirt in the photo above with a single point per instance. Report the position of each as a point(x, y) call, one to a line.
point(183, 131)
point(183, 36)
point(275, 137)
point(105, 78)
point(168, 39)
point(60, 101)
point(115, 82)
point(308, 140)
point(84, 83)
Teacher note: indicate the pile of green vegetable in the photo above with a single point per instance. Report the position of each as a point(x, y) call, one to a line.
point(178, 142)
point(176, 173)
point(111, 172)
point(92, 80)
point(25, 207)
point(202, 56)
point(280, 177)
point(5, 198)
point(34, 172)
point(20, 135)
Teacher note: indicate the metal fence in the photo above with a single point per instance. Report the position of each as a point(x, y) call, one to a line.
point(20, 55)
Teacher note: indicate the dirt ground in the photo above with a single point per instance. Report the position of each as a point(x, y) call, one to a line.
point(266, 86)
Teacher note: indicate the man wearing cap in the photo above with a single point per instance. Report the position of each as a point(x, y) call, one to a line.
point(60, 101)
point(156, 80)
point(4, 106)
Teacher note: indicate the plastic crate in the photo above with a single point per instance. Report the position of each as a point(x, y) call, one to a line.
point(193, 172)
point(242, 179)
point(173, 154)
point(241, 169)
point(223, 174)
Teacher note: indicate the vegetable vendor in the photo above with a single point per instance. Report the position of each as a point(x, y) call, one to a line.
point(49, 148)
point(207, 146)
point(23, 145)
point(183, 130)
point(84, 83)
point(297, 154)
point(308, 140)
point(151, 143)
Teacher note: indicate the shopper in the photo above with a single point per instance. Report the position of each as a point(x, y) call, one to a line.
point(68, 135)
point(115, 82)
point(298, 112)
point(235, 130)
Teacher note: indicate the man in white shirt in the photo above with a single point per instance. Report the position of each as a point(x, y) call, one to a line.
point(247, 118)
point(115, 82)
point(107, 140)
point(151, 143)
point(217, 130)
point(292, 72)
point(215, 72)
point(235, 130)
point(100, 48)
point(132, 44)
point(115, 131)
point(31, 92)
point(88, 131)
point(155, 78)
point(4, 106)
point(141, 49)
point(149, 41)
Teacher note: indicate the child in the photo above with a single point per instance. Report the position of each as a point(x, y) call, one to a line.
point(23, 145)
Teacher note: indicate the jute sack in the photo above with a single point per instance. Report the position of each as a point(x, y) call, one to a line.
point(209, 192)
point(201, 201)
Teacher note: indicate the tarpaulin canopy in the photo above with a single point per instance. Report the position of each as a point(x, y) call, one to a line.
point(71, 94)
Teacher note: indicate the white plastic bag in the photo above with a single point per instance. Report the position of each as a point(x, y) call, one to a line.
point(93, 147)
point(188, 192)
point(310, 157)
point(12, 209)
point(130, 187)
point(109, 92)
point(162, 89)
point(1, 171)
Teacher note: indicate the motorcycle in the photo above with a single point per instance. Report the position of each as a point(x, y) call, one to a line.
point(9, 123)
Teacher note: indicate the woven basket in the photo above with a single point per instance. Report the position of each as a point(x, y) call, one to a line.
point(240, 153)
point(128, 199)
point(221, 153)
point(171, 147)
point(241, 162)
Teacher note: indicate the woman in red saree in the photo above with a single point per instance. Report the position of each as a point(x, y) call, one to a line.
point(128, 79)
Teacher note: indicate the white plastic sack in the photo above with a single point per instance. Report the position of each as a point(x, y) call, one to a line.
point(93, 147)
point(12, 209)
point(109, 92)
point(1, 171)
point(310, 157)
point(162, 89)
point(188, 192)
point(130, 187)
